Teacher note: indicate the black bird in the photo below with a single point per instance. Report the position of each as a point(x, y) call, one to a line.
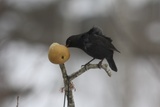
point(95, 44)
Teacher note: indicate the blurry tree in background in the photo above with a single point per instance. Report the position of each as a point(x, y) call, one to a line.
point(28, 27)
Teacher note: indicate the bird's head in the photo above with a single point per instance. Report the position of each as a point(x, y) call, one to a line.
point(72, 41)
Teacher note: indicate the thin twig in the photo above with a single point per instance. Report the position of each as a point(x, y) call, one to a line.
point(87, 67)
point(17, 101)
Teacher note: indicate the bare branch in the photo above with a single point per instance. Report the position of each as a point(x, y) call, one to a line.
point(68, 89)
point(87, 67)
point(17, 101)
point(67, 79)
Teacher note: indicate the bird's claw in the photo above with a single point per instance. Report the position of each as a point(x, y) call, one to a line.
point(85, 66)
point(99, 65)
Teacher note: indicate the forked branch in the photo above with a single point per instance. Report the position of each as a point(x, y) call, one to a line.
point(67, 79)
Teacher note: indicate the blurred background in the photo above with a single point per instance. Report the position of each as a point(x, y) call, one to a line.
point(28, 27)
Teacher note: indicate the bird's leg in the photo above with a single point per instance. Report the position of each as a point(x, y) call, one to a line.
point(100, 63)
point(88, 63)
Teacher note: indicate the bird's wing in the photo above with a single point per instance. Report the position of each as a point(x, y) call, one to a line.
point(108, 42)
point(97, 40)
point(109, 39)
point(96, 31)
point(94, 37)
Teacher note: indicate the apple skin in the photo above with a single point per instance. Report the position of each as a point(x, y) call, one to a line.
point(58, 54)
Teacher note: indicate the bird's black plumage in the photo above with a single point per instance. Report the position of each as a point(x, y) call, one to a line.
point(95, 44)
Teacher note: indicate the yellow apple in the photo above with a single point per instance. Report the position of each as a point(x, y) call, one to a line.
point(58, 54)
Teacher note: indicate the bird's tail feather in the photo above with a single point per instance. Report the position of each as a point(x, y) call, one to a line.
point(112, 64)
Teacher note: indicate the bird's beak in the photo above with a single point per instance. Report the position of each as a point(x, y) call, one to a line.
point(67, 45)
